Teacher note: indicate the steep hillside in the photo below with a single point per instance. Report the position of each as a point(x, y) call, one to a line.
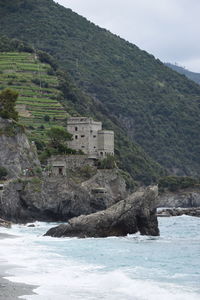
point(190, 75)
point(37, 103)
point(157, 107)
point(39, 109)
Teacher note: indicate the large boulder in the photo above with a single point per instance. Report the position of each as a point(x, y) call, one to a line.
point(136, 213)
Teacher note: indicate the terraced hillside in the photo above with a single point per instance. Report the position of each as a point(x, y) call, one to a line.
point(37, 104)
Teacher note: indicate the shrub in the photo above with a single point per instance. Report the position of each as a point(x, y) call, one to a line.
point(173, 183)
point(108, 162)
point(8, 100)
point(46, 118)
point(3, 172)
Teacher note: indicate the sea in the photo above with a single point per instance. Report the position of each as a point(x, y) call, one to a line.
point(134, 267)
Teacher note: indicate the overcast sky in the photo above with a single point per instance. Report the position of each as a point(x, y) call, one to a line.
point(168, 29)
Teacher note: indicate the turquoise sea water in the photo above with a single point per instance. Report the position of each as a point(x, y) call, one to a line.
point(127, 268)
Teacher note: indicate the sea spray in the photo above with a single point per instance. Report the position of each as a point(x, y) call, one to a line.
point(133, 267)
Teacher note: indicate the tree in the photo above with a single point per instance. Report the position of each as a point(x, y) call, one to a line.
point(58, 136)
point(46, 118)
point(108, 162)
point(8, 100)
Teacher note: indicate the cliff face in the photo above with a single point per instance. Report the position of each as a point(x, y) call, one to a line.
point(16, 153)
point(26, 197)
point(183, 198)
point(60, 198)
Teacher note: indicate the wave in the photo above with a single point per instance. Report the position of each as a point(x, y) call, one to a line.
point(130, 268)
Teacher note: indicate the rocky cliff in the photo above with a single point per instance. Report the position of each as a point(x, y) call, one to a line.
point(60, 198)
point(16, 153)
point(136, 213)
point(189, 197)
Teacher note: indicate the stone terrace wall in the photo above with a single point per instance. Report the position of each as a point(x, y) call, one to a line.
point(72, 162)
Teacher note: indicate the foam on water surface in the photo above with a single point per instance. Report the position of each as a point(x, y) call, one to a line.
point(133, 267)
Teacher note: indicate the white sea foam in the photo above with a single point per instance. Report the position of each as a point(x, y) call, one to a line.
point(132, 268)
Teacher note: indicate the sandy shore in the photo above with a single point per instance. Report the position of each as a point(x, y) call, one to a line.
point(10, 290)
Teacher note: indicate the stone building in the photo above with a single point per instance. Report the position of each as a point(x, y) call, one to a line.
point(61, 164)
point(89, 137)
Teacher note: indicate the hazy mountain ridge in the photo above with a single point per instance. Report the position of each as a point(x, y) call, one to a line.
point(158, 107)
point(189, 74)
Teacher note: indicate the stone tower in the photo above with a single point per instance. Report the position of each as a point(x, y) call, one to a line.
point(89, 137)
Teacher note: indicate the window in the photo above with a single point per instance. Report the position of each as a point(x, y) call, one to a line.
point(82, 136)
point(60, 171)
point(82, 146)
point(94, 147)
point(76, 137)
point(76, 128)
point(94, 136)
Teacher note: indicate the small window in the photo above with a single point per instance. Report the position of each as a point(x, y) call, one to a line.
point(82, 146)
point(94, 147)
point(94, 136)
point(76, 128)
point(101, 153)
point(76, 137)
point(82, 136)
point(60, 171)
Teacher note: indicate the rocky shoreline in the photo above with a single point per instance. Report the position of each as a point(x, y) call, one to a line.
point(136, 213)
point(174, 212)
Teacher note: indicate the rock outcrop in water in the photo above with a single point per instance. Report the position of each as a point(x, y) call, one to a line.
point(136, 213)
point(174, 212)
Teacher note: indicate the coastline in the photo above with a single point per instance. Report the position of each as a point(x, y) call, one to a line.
point(11, 290)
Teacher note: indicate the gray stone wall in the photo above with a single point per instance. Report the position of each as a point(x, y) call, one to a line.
point(68, 162)
point(105, 142)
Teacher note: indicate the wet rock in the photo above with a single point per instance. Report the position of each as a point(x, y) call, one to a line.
point(4, 223)
point(136, 213)
point(173, 212)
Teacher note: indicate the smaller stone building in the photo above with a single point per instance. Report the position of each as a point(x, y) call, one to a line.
point(89, 137)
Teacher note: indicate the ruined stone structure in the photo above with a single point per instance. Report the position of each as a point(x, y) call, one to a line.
point(89, 137)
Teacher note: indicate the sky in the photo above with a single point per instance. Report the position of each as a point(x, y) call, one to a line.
point(168, 29)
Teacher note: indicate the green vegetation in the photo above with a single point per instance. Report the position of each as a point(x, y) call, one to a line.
point(58, 136)
point(8, 100)
point(174, 183)
point(38, 93)
point(3, 173)
point(130, 156)
point(131, 90)
point(108, 162)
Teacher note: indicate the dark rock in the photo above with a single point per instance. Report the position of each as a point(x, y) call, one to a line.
point(136, 213)
point(4, 223)
point(31, 225)
point(173, 212)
